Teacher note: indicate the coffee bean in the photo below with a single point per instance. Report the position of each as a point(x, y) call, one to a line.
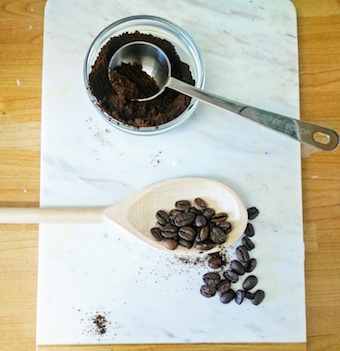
point(249, 231)
point(258, 297)
point(219, 217)
point(187, 233)
point(250, 282)
point(253, 212)
point(182, 205)
point(208, 213)
point(185, 243)
point(248, 243)
point(218, 236)
point(225, 226)
point(156, 234)
point(195, 211)
point(203, 233)
point(208, 290)
point(205, 245)
point(174, 213)
point(215, 262)
point(239, 296)
point(200, 221)
point(248, 295)
point(227, 296)
point(170, 244)
point(183, 219)
point(231, 276)
point(250, 265)
point(169, 231)
point(237, 267)
point(162, 217)
point(200, 204)
point(242, 254)
point(223, 286)
point(211, 278)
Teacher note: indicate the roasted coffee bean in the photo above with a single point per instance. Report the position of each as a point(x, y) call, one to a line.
point(231, 276)
point(156, 234)
point(250, 265)
point(211, 278)
point(227, 296)
point(249, 231)
point(208, 290)
point(215, 262)
point(239, 296)
point(200, 221)
point(200, 204)
point(242, 254)
point(174, 213)
point(208, 213)
point(182, 205)
point(237, 267)
point(160, 226)
point(250, 282)
point(223, 286)
point(203, 233)
point(258, 297)
point(248, 243)
point(162, 217)
point(185, 243)
point(205, 245)
point(169, 231)
point(248, 295)
point(195, 211)
point(225, 226)
point(170, 244)
point(218, 236)
point(184, 218)
point(219, 217)
point(253, 212)
point(187, 233)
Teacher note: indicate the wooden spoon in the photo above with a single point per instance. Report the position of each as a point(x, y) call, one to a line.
point(137, 213)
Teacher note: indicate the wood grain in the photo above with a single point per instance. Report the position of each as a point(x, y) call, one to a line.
point(20, 108)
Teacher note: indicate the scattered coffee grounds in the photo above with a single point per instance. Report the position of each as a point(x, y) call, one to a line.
point(116, 100)
point(197, 226)
point(100, 323)
point(221, 281)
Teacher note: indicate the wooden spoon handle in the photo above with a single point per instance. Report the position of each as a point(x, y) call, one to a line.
point(50, 215)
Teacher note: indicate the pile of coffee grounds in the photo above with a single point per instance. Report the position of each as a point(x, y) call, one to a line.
point(116, 101)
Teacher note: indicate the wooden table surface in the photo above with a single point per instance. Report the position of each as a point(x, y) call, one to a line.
point(21, 42)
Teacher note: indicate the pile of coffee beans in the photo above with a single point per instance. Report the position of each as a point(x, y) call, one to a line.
point(191, 225)
point(221, 281)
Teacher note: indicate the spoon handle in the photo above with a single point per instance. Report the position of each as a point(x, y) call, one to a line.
point(319, 137)
point(50, 215)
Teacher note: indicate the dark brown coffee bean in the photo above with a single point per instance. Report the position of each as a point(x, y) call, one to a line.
point(204, 245)
point(239, 296)
point(187, 233)
point(203, 233)
point(156, 234)
point(200, 221)
point(249, 231)
point(195, 211)
point(215, 262)
point(225, 226)
point(237, 267)
point(231, 276)
point(208, 290)
point(170, 244)
point(248, 243)
point(227, 296)
point(218, 236)
point(160, 226)
point(250, 265)
point(185, 243)
point(211, 278)
point(250, 282)
point(182, 205)
point(208, 213)
point(242, 254)
point(162, 217)
point(223, 286)
point(248, 295)
point(183, 219)
point(219, 217)
point(200, 204)
point(174, 213)
point(258, 297)
point(169, 231)
point(253, 212)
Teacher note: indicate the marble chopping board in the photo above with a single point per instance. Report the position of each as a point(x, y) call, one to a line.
point(250, 50)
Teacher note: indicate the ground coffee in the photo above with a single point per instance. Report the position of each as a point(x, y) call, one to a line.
point(118, 104)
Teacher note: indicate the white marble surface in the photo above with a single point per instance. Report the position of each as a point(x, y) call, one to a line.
point(250, 52)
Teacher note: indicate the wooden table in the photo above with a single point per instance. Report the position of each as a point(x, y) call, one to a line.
point(21, 42)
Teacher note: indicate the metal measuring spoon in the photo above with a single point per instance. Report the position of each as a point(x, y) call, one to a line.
point(156, 63)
